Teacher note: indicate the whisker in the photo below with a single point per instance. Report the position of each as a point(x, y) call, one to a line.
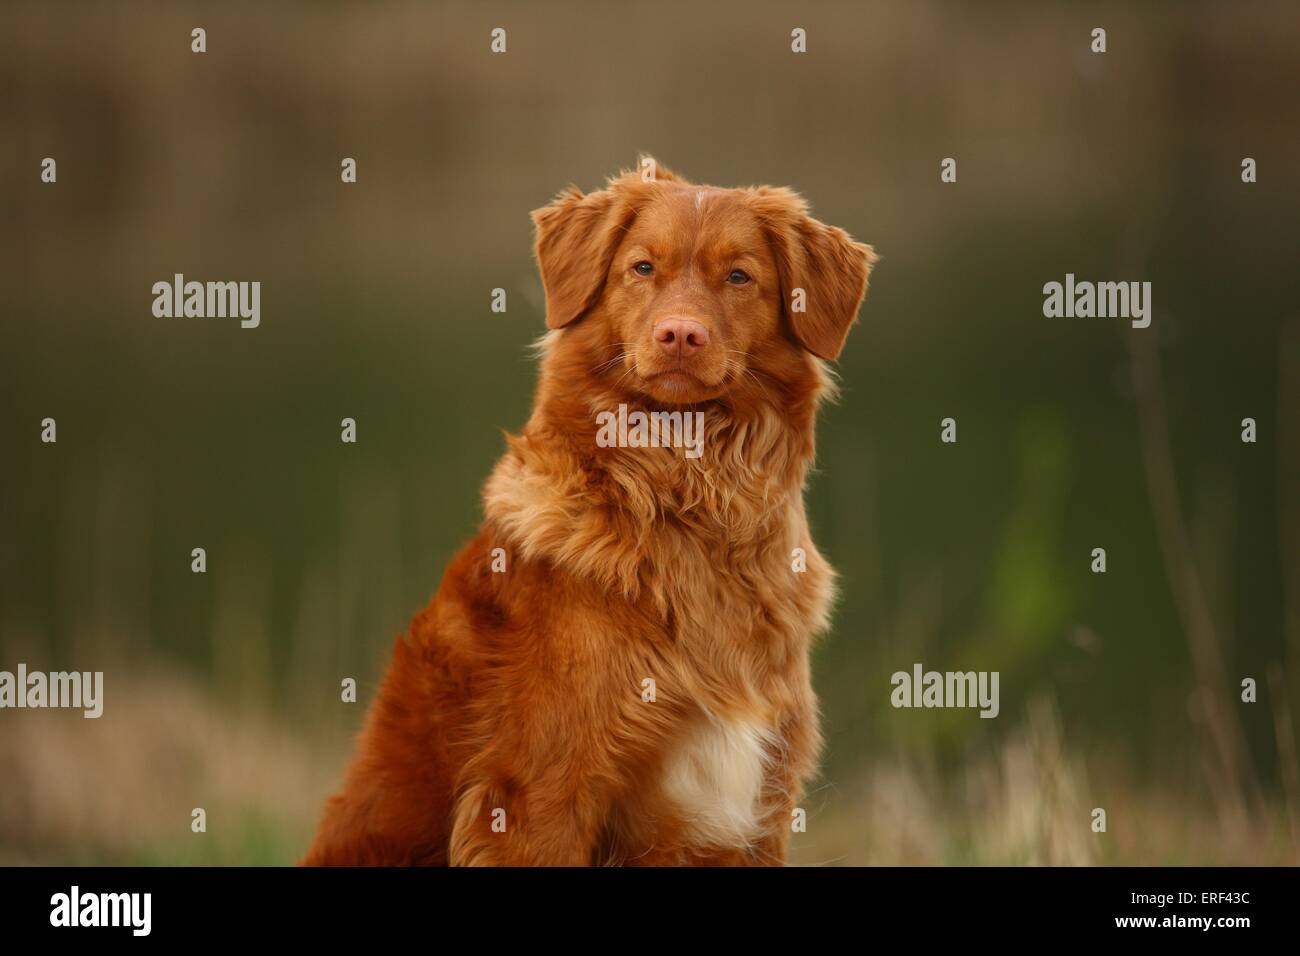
point(621, 347)
point(745, 369)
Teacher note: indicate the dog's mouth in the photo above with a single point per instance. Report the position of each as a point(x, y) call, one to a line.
point(679, 377)
point(681, 386)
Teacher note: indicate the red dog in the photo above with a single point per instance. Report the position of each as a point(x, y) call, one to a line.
point(615, 670)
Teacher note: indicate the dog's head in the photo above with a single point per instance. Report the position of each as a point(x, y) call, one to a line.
point(683, 294)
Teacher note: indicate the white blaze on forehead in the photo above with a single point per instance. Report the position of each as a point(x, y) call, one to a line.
point(702, 195)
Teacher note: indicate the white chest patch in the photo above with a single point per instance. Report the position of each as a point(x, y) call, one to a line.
point(715, 776)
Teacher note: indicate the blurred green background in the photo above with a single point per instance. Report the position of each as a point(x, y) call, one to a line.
point(222, 688)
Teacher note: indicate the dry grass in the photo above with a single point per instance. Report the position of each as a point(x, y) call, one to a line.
point(121, 790)
point(1030, 803)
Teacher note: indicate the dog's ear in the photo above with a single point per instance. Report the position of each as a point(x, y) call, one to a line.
point(577, 236)
point(824, 273)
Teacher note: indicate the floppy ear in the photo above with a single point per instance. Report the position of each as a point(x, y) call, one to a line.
point(577, 237)
point(823, 271)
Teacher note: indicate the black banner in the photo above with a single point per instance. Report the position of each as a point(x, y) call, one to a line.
point(234, 905)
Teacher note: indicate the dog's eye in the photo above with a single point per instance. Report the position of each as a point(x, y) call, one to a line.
point(643, 269)
point(737, 277)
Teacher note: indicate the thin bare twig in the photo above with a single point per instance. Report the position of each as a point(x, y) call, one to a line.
point(1227, 764)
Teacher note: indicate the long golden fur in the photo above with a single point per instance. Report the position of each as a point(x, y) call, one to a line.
point(633, 687)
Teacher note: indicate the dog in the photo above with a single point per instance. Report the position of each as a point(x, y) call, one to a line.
point(615, 671)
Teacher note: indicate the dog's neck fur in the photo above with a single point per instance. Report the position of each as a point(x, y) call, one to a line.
point(623, 516)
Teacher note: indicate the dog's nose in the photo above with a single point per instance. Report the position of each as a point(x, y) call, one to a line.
point(682, 337)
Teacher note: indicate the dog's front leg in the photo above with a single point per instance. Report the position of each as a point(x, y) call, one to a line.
point(546, 822)
point(790, 765)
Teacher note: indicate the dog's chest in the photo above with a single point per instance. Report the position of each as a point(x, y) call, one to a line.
point(713, 776)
